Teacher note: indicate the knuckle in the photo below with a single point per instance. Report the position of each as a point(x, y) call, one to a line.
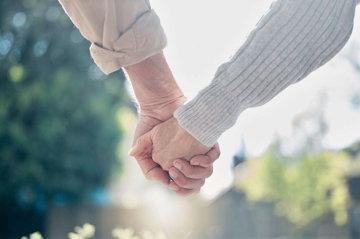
point(156, 157)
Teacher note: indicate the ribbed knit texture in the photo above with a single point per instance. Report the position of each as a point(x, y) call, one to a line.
point(293, 39)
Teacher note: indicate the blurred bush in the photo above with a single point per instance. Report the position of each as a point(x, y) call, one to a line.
point(304, 191)
point(59, 132)
point(305, 182)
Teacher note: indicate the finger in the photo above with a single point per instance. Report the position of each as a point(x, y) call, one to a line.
point(182, 181)
point(158, 174)
point(152, 170)
point(208, 159)
point(142, 151)
point(182, 191)
point(145, 124)
point(143, 145)
point(214, 152)
point(190, 171)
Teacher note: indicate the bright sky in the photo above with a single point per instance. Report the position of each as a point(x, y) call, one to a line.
point(203, 34)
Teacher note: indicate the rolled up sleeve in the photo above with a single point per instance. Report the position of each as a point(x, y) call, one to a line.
point(121, 32)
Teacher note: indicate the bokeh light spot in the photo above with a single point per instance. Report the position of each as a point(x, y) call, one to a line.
point(19, 19)
point(53, 13)
point(76, 37)
point(6, 42)
point(16, 73)
point(40, 48)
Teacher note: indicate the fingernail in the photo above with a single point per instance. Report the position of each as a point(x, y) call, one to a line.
point(178, 165)
point(173, 187)
point(173, 174)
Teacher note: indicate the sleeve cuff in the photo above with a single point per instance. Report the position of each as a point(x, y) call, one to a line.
point(142, 40)
point(209, 114)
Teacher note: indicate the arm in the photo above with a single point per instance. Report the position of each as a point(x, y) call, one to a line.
point(127, 33)
point(159, 96)
point(155, 89)
point(293, 39)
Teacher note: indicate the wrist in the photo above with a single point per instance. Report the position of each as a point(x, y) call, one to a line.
point(155, 88)
point(162, 109)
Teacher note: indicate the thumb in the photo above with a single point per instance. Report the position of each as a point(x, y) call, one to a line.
point(143, 145)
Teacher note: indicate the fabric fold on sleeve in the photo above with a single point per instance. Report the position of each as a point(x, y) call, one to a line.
point(121, 32)
point(144, 39)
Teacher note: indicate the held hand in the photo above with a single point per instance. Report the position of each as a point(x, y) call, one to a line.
point(167, 142)
point(191, 177)
point(151, 115)
point(158, 96)
point(187, 178)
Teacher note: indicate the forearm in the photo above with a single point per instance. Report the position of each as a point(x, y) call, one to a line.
point(155, 88)
point(292, 40)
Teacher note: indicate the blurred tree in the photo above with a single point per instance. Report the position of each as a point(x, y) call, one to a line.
point(305, 182)
point(304, 191)
point(59, 132)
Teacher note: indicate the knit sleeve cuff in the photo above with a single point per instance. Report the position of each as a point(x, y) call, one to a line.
point(209, 114)
point(142, 40)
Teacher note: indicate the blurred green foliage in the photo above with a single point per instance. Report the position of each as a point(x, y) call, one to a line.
point(305, 189)
point(306, 182)
point(59, 132)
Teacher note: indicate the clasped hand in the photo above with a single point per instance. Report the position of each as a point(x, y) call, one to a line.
point(172, 156)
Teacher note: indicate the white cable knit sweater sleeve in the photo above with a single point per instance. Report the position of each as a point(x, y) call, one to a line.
point(293, 39)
